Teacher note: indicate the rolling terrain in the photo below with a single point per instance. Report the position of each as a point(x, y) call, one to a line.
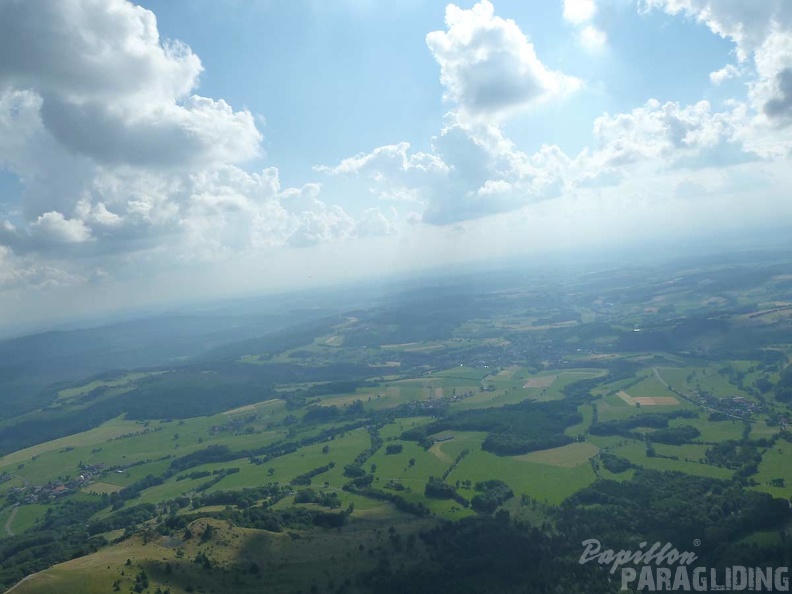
point(365, 449)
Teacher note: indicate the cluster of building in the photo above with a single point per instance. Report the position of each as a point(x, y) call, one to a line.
point(57, 489)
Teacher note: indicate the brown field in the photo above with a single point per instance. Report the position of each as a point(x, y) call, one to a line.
point(627, 398)
point(656, 400)
point(540, 382)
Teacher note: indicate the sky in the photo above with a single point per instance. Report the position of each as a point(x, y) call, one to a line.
point(163, 151)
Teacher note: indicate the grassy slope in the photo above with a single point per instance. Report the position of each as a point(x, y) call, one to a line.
point(314, 558)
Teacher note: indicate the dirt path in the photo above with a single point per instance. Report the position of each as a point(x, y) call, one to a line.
point(441, 455)
point(20, 582)
point(660, 378)
point(10, 520)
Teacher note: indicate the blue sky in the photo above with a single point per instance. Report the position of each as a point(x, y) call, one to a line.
point(336, 78)
point(158, 150)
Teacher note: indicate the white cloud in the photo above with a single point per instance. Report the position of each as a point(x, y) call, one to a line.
point(483, 173)
point(111, 90)
point(664, 132)
point(414, 218)
point(487, 65)
point(761, 31)
point(579, 11)
point(390, 160)
point(375, 223)
point(122, 163)
point(593, 39)
point(55, 228)
point(726, 73)
point(22, 273)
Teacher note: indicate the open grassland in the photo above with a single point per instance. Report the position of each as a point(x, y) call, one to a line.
point(26, 517)
point(125, 380)
point(776, 465)
point(308, 559)
point(636, 401)
point(543, 482)
point(398, 468)
point(568, 456)
point(712, 431)
point(587, 412)
point(650, 387)
point(101, 434)
point(708, 378)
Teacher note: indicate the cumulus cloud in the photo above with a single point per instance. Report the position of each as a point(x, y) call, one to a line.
point(477, 172)
point(484, 173)
point(726, 73)
point(101, 121)
point(390, 160)
point(112, 90)
point(592, 38)
point(122, 159)
point(780, 106)
point(762, 32)
point(661, 132)
point(54, 227)
point(487, 65)
point(579, 11)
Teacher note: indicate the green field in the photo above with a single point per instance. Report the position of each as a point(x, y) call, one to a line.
point(345, 390)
